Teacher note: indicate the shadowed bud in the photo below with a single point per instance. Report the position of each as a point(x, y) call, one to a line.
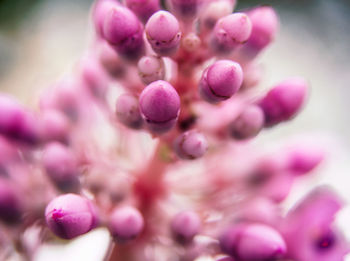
point(127, 111)
point(143, 8)
point(61, 166)
point(190, 145)
point(248, 124)
point(185, 9)
point(191, 42)
point(151, 68)
point(220, 81)
point(231, 31)
point(284, 101)
point(125, 223)
point(160, 106)
point(110, 61)
point(214, 11)
point(70, 215)
point(123, 31)
point(55, 126)
point(163, 32)
point(10, 204)
point(185, 226)
point(16, 123)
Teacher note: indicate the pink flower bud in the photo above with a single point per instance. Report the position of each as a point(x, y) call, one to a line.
point(265, 25)
point(110, 61)
point(11, 205)
point(143, 8)
point(55, 126)
point(248, 124)
point(16, 123)
point(70, 215)
point(260, 243)
point(231, 31)
point(93, 78)
point(214, 11)
point(125, 223)
point(127, 111)
point(100, 10)
point(185, 226)
point(190, 145)
point(185, 9)
point(123, 30)
point(163, 32)
point(160, 106)
point(284, 101)
point(61, 166)
point(303, 159)
point(151, 68)
point(220, 81)
point(191, 42)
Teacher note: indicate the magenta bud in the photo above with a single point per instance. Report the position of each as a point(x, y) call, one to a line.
point(11, 205)
point(214, 11)
point(284, 101)
point(185, 9)
point(160, 106)
point(190, 145)
point(303, 159)
point(16, 123)
point(110, 61)
point(151, 68)
point(61, 166)
point(55, 126)
point(259, 242)
point(231, 31)
point(265, 25)
point(70, 215)
point(225, 258)
point(163, 32)
point(100, 10)
point(143, 8)
point(125, 223)
point(185, 226)
point(220, 81)
point(248, 124)
point(93, 78)
point(123, 31)
point(127, 111)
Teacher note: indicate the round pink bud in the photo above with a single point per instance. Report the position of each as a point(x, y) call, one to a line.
point(160, 106)
point(191, 145)
point(185, 226)
point(70, 215)
point(260, 243)
point(127, 111)
point(191, 42)
point(284, 101)
point(55, 126)
point(265, 25)
point(143, 8)
point(125, 223)
point(163, 32)
point(248, 124)
point(11, 205)
point(123, 30)
point(61, 166)
point(231, 31)
point(151, 68)
point(16, 122)
point(220, 81)
point(100, 10)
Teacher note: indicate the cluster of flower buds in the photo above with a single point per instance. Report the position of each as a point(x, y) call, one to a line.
point(150, 138)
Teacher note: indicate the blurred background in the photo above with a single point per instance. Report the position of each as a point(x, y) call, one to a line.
point(42, 39)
